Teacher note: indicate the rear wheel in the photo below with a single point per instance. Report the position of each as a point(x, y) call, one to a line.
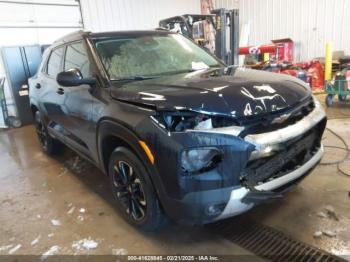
point(133, 191)
point(48, 144)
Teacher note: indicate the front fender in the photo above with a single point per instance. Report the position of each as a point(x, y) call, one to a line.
point(111, 128)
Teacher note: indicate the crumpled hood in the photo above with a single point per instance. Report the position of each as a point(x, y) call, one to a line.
point(234, 92)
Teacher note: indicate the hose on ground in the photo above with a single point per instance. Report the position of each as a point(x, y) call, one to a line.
point(346, 148)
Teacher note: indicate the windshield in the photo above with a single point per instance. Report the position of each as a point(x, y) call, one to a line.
point(155, 55)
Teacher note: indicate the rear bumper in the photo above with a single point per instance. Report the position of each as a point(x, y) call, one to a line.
point(239, 199)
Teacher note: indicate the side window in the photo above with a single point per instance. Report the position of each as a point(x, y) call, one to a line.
point(76, 57)
point(53, 65)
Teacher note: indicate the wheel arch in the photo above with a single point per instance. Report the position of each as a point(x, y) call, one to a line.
point(112, 134)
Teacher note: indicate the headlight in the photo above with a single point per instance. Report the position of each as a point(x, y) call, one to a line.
point(199, 160)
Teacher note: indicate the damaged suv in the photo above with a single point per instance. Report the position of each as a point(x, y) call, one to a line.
point(177, 132)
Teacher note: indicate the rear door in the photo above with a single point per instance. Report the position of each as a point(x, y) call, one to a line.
point(52, 98)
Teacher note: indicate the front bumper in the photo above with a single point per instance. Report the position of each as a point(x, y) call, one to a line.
point(268, 140)
point(237, 203)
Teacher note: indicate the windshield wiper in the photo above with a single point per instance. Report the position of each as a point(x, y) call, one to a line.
point(135, 78)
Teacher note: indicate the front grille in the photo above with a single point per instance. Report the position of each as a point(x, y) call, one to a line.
point(265, 123)
point(296, 152)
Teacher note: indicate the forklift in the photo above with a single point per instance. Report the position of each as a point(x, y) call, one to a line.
point(225, 24)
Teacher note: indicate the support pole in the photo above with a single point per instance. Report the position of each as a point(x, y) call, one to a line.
point(328, 62)
point(234, 33)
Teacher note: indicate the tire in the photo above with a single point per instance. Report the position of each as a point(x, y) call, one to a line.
point(329, 100)
point(48, 144)
point(342, 98)
point(133, 191)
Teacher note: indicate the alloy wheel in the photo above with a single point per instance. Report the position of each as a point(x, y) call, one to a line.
point(129, 190)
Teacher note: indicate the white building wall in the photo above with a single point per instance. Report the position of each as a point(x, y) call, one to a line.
point(310, 23)
point(109, 15)
point(228, 4)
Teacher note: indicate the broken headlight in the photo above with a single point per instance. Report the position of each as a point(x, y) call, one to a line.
point(198, 160)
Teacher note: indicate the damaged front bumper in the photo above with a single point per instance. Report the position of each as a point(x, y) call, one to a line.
point(253, 168)
point(245, 197)
point(268, 141)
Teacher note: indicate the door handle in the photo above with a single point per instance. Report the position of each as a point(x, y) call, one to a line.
point(37, 86)
point(60, 91)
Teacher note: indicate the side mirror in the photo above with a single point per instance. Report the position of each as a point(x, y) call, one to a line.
point(73, 77)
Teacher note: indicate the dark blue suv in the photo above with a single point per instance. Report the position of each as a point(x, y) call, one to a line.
point(176, 131)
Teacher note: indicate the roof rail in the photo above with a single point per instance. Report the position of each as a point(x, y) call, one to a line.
point(75, 33)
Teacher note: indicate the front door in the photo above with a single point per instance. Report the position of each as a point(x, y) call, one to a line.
point(77, 119)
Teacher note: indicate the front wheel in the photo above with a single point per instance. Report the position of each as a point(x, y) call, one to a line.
point(48, 144)
point(133, 191)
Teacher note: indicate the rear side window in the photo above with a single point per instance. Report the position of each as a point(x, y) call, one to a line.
point(54, 63)
point(76, 57)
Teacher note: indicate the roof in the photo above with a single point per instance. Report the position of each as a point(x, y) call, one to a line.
point(77, 35)
point(130, 33)
point(71, 37)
